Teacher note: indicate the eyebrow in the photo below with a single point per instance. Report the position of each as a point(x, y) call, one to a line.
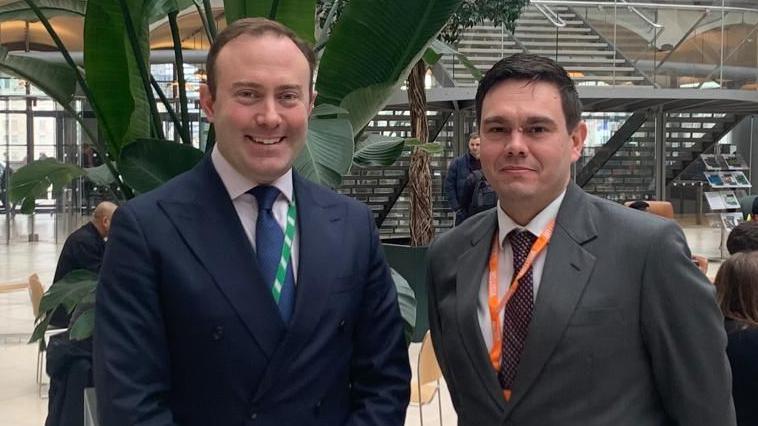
point(529, 121)
point(253, 85)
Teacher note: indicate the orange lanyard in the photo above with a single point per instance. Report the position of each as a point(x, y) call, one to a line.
point(496, 306)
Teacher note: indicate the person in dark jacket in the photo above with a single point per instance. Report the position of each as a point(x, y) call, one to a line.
point(737, 289)
point(455, 181)
point(83, 249)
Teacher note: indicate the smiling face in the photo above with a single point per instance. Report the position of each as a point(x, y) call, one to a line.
point(526, 149)
point(261, 106)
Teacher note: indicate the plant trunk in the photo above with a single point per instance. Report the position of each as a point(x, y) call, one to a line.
point(419, 174)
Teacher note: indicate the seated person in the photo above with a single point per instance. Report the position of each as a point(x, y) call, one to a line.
point(737, 289)
point(640, 205)
point(744, 237)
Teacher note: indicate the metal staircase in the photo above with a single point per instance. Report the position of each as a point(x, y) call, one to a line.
point(628, 173)
point(566, 37)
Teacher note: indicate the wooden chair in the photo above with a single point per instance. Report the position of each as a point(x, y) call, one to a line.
point(660, 208)
point(427, 382)
point(36, 291)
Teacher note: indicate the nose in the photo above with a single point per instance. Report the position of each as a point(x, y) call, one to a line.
point(268, 116)
point(516, 144)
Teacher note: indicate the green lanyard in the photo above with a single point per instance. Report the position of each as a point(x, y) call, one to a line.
point(284, 260)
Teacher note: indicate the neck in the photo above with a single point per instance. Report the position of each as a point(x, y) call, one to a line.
point(522, 210)
point(100, 229)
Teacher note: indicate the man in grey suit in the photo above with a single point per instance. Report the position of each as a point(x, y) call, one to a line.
point(607, 321)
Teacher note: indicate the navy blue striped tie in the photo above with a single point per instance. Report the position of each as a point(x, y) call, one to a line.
point(269, 239)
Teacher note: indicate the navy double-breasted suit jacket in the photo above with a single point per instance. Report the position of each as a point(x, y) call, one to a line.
point(186, 333)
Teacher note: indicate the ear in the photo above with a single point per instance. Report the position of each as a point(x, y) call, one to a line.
point(312, 102)
point(578, 135)
point(206, 101)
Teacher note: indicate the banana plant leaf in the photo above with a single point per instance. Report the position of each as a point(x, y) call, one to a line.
point(159, 9)
point(406, 298)
point(99, 175)
point(328, 154)
point(75, 288)
point(112, 72)
point(33, 180)
point(439, 48)
point(84, 326)
point(20, 11)
point(377, 150)
point(56, 80)
point(148, 163)
point(374, 45)
point(298, 15)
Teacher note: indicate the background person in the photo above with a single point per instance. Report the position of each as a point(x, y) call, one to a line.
point(598, 329)
point(744, 237)
point(737, 287)
point(455, 181)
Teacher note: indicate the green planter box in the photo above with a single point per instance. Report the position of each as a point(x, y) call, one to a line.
point(410, 262)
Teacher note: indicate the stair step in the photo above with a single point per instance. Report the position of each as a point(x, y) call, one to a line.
point(566, 43)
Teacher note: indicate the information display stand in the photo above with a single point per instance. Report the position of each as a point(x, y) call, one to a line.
point(727, 183)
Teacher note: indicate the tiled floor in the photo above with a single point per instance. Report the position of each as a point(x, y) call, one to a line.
point(20, 404)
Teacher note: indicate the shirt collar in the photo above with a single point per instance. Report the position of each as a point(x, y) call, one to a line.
point(536, 226)
point(237, 185)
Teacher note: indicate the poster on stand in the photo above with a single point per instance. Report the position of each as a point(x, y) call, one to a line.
point(715, 201)
point(731, 220)
point(714, 180)
point(735, 162)
point(710, 161)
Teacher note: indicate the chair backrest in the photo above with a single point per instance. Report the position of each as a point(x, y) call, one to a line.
point(660, 208)
point(428, 368)
point(35, 293)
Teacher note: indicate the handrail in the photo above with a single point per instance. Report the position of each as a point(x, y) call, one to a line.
point(556, 20)
point(643, 17)
point(640, 4)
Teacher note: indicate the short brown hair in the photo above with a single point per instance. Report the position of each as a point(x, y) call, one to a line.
point(473, 135)
point(530, 68)
point(737, 287)
point(255, 27)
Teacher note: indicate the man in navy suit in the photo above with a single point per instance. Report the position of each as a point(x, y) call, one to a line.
point(239, 292)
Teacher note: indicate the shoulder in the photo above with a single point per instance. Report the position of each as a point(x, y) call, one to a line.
point(455, 240)
point(328, 197)
point(186, 186)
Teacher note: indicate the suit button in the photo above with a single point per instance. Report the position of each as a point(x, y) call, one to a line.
point(218, 333)
point(317, 407)
point(253, 416)
point(341, 326)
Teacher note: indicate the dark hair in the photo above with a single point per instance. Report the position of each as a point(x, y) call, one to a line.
point(737, 287)
point(529, 67)
point(639, 205)
point(744, 237)
point(255, 27)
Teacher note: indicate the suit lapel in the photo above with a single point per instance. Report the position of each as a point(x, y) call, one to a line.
point(320, 236)
point(568, 267)
point(205, 217)
point(471, 266)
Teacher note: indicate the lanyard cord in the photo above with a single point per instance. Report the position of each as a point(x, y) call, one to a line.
point(496, 306)
point(285, 259)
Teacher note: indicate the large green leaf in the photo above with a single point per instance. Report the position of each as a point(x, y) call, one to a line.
point(33, 180)
point(374, 45)
point(112, 71)
point(55, 79)
point(159, 9)
point(328, 154)
point(298, 15)
point(84, 326)
point(439, 48)
point(406, 298)
point(77, 287)
point(146, 164)
point(100, 175)
point(377, 150)
point(20, 11)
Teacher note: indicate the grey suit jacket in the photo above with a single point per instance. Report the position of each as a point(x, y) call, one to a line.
point(625, 331)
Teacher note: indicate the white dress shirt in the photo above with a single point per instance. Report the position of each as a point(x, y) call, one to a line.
point(505, 262)
point(247, 206)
